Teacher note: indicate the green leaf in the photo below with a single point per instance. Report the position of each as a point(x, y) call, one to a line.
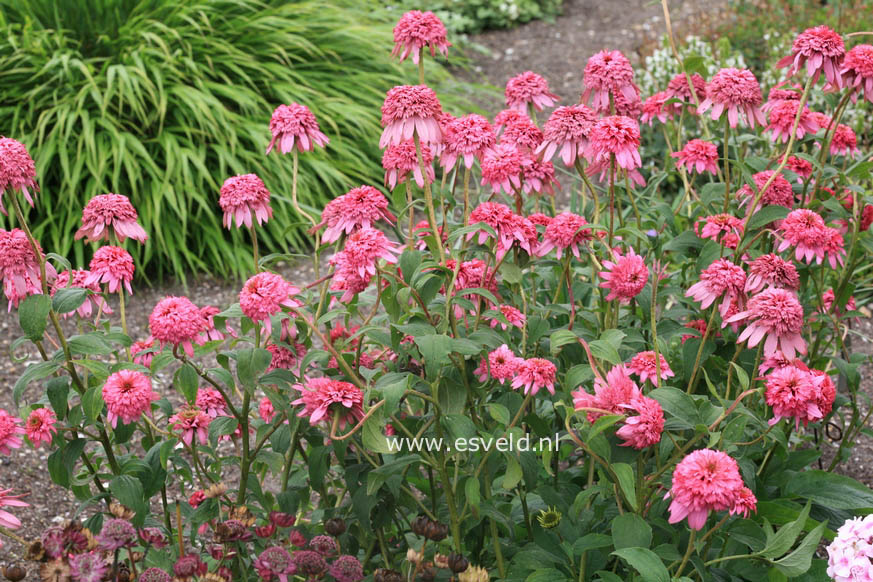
point(511, 273)
point(629, 530)
point(33, 373)
point(782, 540)
point(742, 376)
point(678, 406)
point(546, 575)
point(373, 438)
point(459, 426)
point(799, 561)
point(645, 562)
point(187, 381)
point(33, 315)
point(69, 299)
point(129, 492)
point(250, 364)
point(471, 491)
point(92, 344)
point(625, 475)
point(92, 403)
point(435, 349)
point(499, 413)
point(561, 338)
point(513, 473)
point(602, 423)
point(766, 215)
point(830, 490)
point(592, 541)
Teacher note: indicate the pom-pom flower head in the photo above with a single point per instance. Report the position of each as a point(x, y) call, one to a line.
point(774, 314)
point(782, 116)
point(645, 366)
point(533, 374)
point(528, 88)
point(322, 398)
point(737, 92)
point(110, 212)
point(467, 137)
point(40, 426)
point(408, 110)
point(502, 166)
point(844, 141)
point(264, 295)
point(128, 395)
point(625, 277)
point(721, 279)
point(357, 209)
point(400, 160)
point(178, 322)
point(778, 193)
point(611, 394)
point(771, 270)
point(644, 428)
point(17, 170)
point(722, 228)
point(363, 249)
point(191, 422)
point(417, 30)
point(698, 155)
point(655, 108)
point(502, 365)
point(617, 136)
point(565, 232)
point(821, 50)
point(608, 73)
point(111, 265)
point(566, 132)
point(857, 71)
point(704, 481)
point(796, 392)
point(678, 88)
point(10, 432)
point(243, 196)
point(295, 126)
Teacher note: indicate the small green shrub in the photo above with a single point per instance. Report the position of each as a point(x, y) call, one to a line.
point(462, 16)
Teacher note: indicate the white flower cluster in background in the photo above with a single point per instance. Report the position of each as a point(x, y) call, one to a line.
point(661, 65)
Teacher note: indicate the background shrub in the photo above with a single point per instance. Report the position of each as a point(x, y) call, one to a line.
point(476, 15)
point(162, 100)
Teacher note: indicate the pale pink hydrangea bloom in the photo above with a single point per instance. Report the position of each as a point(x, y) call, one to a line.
point(401, 159)
point(722, 228)
point(357, 209)
point(321, 398)
point(40, 426)
point(417, 30)
point(17, 170)
point(857, 71)
point(617, 136)
point(408, 110)
point(107, 212)
point(264, 295)
point(191, 422)
point(467, 137)
point(644, 428)
point(771, 270)
point(528, 88)
point(128, 395)
point(501, 365)
point(566, 132)
point(721, 279)
point(644, 366)
point(565, 232)
point(705, 480)
point(698, 155)
point(513, 316)
point(794, 391)
point(611, 394)
point(779, 193)
point(849, 555)
point(178, 322)
point(523, 134)
point(737, 92)
point(535, 373)
point(625, 277)
point(10, 432)
point(655, 107)
point(241, 197)
point(92, 300)
point(295, 125)
point(774, 314)
point(821, 49)
point(112, 265)
point(607, 73)
point(502, 167)
point(782, 117)
point(211, 402)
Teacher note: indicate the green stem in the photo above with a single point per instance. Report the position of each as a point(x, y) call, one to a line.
point(428, 199)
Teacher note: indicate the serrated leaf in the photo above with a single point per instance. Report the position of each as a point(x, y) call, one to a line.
point(69, 299)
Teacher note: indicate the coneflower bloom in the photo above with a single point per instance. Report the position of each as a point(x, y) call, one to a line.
point(782, 117)
point(243, 196)
point(723, 228)
point(128, 395)
point(628, 107)
point(264, 295)
point(502, 166)
point(365, 247)
point(111, 265)
point(827, 300)
point(497, 216)
point(821, 49)
point(625, 277)
point(40, 426)
point(645, 367)
point(611, 394)
point(535, 373)
point(142, 352)
point(655, 108)
point(92, 300)
point(208, 313)
point(321, 398)
point(566, 132)
point(178, 322)
point(507, 116)
point(778, 94)
point(644, 428)
point(774, 314)
point(191, 422)
point(844, 141)
point(422, 230)
point(10, 432)
point(417, 30)
point(806, 231)
point(528, 88)
point(285, 358)
point(467, 137)
point(521, 232)
point(15, 294)
point(799, 166)
point(401, 159)
point(357, 209)
point(737, 92)
point(696, 324)
point(678, 88)
point(607, 73)
point(17, 170)
point(834, 247)
point(8, 520)
point(771, 270)
point(778, 193)
point(857, 71)
point(266, 410)
point(705, 480)
point(211, 402)
point(617, 136)
point(295, 126)
point(110, 212)
point(540, 218)
point(346, 278)
point(721, 279)
point(408, 110)
point(539, 178)
point(698, 155)
point(795, 392)
point(513, 316)
point(19, 266)
point(566, 231)
point(523, 134)
point(501, 365)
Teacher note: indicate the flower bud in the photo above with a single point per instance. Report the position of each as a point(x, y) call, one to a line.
point(419, 525)
point(436, 531)
point(457, 563)
point(265, 531)
point(414, 556)
point(335, 526)
point(441, 561)
point(474, 574)
point(280, 519)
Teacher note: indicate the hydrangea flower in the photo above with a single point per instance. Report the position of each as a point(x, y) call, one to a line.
point(857, 71)
point(850, 553)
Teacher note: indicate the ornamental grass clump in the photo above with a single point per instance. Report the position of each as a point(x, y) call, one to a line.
point(503, 383)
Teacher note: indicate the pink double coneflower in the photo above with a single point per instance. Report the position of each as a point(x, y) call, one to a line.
point(322, 398)
point(821, 49)
point(178, 322)
point(782, 117)
point(799, 166)
point(10, 432)
point(625, 276)
point(722, 228)
point(523, 134)
point(513, 316)
point(611, 394)
point(535, 373)
point(501, 365)
point(565, 232)
point(722, 279)
point(778, 94)
point(698, 155)
point(264, 295)
point(642, 429)
point(771, 270)
point(40, 426)
point(400, 160)
point(607, 73)
point(17, 170)
point(526, 89)
point(410, 110)
point(645, 366)
point(735, 92)
point(364, 248)
point(778, 193)
point(678, 88)
point(502, 167)
point(467, 138)
point(857, 71)
point(844, 141)
point(617, 136)
point(295, 126)
point(211, 402)
point(110, 212)
point(796, 392)
point(655, 107)
point(92, 300)
point(191, 422)
point(113, 266)
point(417, 30)
point(357, 209)
point(539, 178)
point(566, 133)
point(19, 265)
point(774, 314)
point(128, 395)
point(243, 197)
point(806, 231)
point(8, 520)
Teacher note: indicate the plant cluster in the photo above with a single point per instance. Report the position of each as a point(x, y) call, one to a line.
point(479, 382)
point(470, 16)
